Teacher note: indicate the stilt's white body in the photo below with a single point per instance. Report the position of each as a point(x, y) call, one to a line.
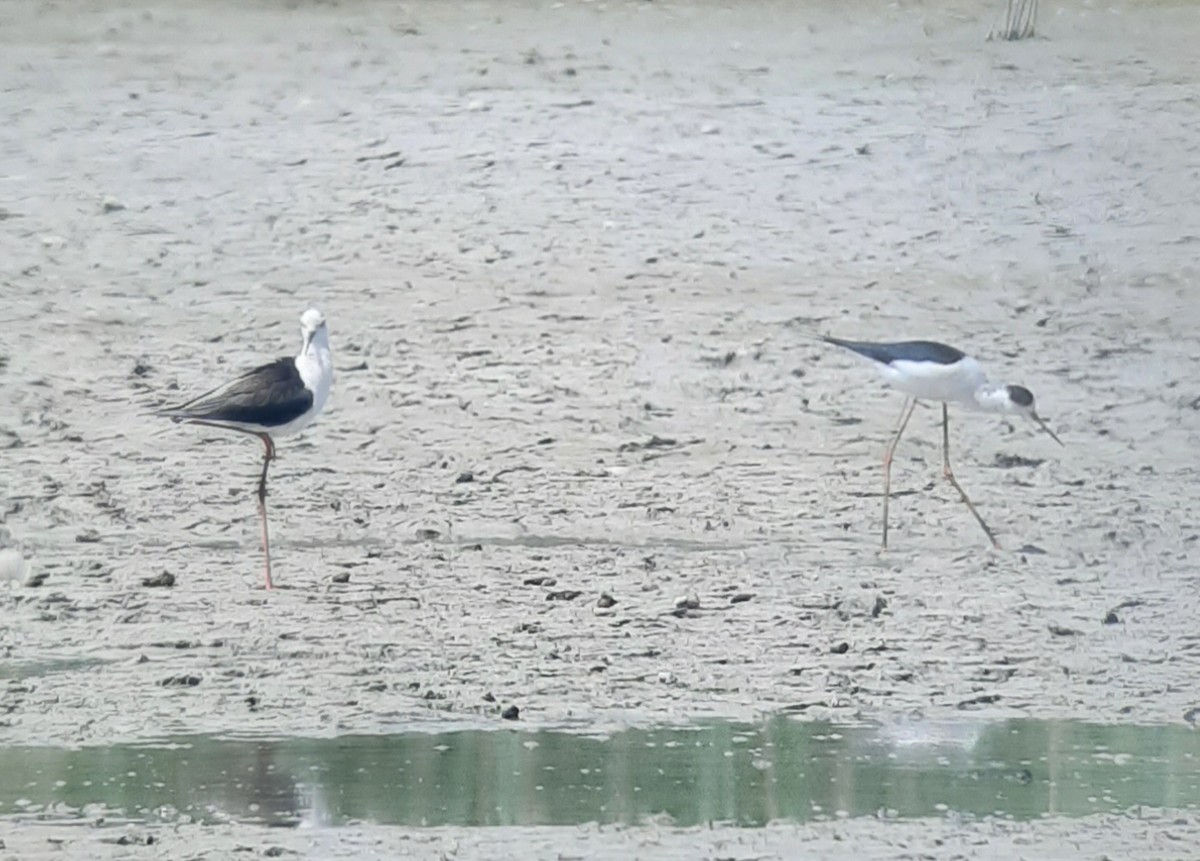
point(959, 383)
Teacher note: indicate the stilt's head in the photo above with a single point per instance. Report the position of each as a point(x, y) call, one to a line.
point(312, 328)
point(1020, 401)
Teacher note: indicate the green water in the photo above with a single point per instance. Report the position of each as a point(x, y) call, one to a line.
point(742, 773)
point(31, 669)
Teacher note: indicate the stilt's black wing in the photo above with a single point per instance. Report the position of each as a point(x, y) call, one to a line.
point(269, 396)
point(901, 351)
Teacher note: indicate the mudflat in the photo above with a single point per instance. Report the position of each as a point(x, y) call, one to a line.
point(571, 256)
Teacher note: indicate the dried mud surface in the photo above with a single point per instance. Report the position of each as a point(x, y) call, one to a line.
point(559, 247)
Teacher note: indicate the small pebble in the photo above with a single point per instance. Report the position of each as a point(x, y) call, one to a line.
point(184, 681)
point(511, 713)
point(604, 605)
point(1111, 618)
point(687, 602)
point(340, 577)
point(563, 595)
point(839, 649)
point(14, 567)
point(740, 598)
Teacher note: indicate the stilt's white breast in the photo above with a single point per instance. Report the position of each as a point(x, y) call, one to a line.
point(315, 365)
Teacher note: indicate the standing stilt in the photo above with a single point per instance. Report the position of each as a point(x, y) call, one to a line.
point(949, 474)
point(275, 399)
point(910, 404)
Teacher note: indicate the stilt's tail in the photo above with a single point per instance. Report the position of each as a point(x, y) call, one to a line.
point(807, 327)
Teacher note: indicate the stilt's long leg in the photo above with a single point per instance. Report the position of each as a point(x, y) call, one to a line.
point(268, 456)
point(906, 412)
point(949, 474)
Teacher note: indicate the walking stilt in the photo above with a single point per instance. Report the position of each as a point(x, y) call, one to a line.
point(938, 372)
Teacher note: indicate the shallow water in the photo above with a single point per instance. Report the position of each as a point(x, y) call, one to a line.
point(748, 774)
point(33, 668)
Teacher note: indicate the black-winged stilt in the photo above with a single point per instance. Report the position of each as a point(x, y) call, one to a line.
point(275, 399)
point(927, 370)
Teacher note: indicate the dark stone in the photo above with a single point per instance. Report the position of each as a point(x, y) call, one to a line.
point(563, 595)
point(165, 579)
point(182, 681)
point(1060, 631)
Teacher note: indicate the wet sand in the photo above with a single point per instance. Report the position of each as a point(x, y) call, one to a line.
point(557, 248)
point(1152, 836)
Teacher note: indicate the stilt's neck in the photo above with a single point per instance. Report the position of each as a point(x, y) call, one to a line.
point(993, 398)
point(318, 347)
point(315, 365)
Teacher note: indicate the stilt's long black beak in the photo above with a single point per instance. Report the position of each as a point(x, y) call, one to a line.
point(1046, 428)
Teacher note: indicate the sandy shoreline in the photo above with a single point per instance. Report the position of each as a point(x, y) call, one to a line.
point(1152, 836)
point(557, 247)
